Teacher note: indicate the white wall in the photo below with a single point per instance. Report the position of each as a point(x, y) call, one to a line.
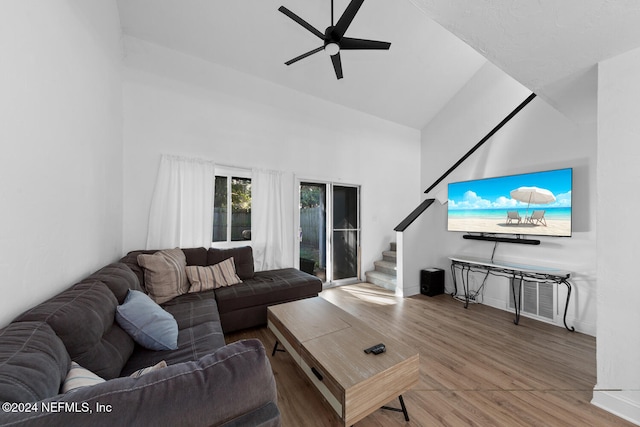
point(539, 138)
point(61, 136)
point(178, 104)
point(618, 388)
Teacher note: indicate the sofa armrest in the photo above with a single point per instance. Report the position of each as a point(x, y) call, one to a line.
point(234, 383)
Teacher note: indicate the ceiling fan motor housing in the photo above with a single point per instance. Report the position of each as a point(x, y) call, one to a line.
point(333, 37)
point(332, 41)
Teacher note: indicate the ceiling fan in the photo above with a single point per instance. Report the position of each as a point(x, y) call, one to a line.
point(333, 36)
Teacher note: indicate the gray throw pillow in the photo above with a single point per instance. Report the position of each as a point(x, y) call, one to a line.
point(147, 323)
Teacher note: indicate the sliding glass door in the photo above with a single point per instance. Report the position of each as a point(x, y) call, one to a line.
point(346, 232)
point(333, 256)
point(313, 229)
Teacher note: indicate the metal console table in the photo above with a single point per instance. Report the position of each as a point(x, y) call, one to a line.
point(517, 272)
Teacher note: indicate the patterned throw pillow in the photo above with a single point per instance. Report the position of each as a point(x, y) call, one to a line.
point(212, 276)
point(145, 371)
point(79, 377)
point(164, 274)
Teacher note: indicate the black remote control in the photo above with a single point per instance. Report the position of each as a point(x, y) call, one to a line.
point(376, 349)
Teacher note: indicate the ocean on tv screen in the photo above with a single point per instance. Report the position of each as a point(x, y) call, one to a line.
point(536, 203)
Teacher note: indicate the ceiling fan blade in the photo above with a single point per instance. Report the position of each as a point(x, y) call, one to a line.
point(301, 21)
point(304, 55)
point(337, 65)
point(350, 43)
point(347, 17)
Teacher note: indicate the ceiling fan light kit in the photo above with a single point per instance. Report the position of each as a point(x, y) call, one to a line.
point(333, 37)
point(332, 48)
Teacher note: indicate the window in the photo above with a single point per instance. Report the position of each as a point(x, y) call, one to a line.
point(232, 225)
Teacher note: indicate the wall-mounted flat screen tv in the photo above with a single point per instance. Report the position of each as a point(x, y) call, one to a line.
point(537, 203)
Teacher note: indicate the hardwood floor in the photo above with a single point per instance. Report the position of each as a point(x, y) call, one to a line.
point(476, 367)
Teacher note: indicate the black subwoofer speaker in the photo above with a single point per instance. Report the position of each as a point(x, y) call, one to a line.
point(432, 281)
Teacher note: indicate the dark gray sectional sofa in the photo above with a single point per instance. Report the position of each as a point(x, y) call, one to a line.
point(244, 305)
point(205, 383)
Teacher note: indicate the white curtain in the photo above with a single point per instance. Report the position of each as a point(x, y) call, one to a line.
point(181, 213)
point(272, 219)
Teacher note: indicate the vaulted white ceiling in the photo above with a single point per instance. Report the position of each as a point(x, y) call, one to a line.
point(436, 45)
point(541, 42)
point(408, 84)
point(549, 46)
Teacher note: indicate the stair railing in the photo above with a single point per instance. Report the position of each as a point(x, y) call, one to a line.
point(426, 203)
point(400, 228)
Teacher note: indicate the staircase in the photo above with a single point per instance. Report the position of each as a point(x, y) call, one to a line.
point(384, 274)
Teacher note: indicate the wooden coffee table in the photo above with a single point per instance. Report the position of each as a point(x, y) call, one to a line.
point(328, 345)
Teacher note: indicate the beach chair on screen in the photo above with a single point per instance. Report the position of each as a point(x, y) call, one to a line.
point(513, 216)
point(537, 218)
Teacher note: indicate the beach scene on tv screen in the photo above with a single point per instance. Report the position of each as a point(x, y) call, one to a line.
point(536, 203)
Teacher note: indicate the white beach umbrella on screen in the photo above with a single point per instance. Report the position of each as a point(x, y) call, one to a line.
point(533, 195)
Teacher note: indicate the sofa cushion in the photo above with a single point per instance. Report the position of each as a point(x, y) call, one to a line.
point(242, 258)
point(33, 362)
point(193, 343)
point(147, 323)
point(84, 319)
point(217, 389)
point(79, 377)
point(195, 256)
point(268, 287)
point(193, 309)
point(164, 274)
point(199, 332)
point(119, 278)
point(212, 276)
point(131, 261)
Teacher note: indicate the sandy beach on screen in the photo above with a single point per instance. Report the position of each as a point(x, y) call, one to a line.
point(554, 227)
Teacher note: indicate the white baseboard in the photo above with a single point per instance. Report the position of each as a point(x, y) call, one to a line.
point(411, 290)
point(587, 328)
point(622, 403)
